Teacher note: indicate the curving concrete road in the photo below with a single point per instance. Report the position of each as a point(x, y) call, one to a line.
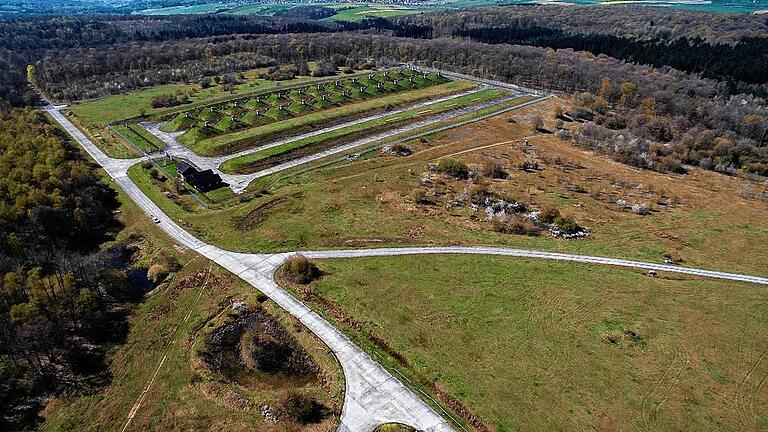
point(373, 396)
point(523, 253)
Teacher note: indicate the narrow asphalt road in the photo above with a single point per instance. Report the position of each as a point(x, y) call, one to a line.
point(373, 396)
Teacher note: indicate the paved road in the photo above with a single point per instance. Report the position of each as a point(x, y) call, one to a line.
point(373, 396)
point(240, 182)
point(489, 250)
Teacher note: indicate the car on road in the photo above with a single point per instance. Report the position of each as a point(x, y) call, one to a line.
point(155, 219)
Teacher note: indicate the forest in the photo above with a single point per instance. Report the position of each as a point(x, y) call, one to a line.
point(61, 294)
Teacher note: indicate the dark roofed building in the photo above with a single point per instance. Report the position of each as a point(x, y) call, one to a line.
point(204, 181)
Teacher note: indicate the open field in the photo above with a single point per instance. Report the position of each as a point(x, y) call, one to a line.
point(232, 142)
point(539, 345)
point(100, 112)
point(357, 13)
point(172, 323)
point(248, 163)
point(369, 202)
point(613, 348)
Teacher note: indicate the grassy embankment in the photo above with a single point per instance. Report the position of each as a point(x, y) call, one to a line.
point(235, 141)
point(243, 164)
point(139, 137)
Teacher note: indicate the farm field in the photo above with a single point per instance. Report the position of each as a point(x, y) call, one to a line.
point(535, 344)
point(370, 202)
point(357, 13)
point(95, 115)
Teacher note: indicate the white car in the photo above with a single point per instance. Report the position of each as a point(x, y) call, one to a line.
point(155, 219)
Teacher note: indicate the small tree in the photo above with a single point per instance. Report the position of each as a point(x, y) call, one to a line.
point(537, 122)
point(452, 167)
point(298, 269)
point(494, 170)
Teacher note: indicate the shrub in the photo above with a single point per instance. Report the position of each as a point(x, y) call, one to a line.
point(478, 193)
point(419, 196)
point(514, 224)
point(567, 225)
point(400, 150)
point(537, 122)
point(298, 269)
point(452, 167)
point(157, 273)
point(303, 409)
point(549, 215)
point(494, 170)
point(529, 166)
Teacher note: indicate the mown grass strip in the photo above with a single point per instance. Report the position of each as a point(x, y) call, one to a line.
point(139, 137)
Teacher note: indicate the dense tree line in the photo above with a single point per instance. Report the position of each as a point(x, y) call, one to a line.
point(693, 120)
point(31, 34)
point(308, 12)
point(728, 48)
point(745, 61)
point(26, 40)
point(635, 23)
point(60, 295)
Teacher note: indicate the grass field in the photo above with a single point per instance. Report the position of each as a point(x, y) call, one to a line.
point(182, 10)
point(241, 164)
point(357, 13)
point(224, 127)
point(103, 111)
point(541, 345)
point(95, 115)
point(369, 202)
point(224, 144)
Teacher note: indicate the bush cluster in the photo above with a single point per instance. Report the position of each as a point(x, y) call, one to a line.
point(452, 167)
point(298, 269)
